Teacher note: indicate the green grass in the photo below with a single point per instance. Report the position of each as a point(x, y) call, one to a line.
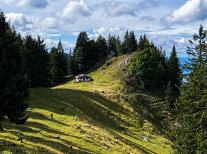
point(112, 123)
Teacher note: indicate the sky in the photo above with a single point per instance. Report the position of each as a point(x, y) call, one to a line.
point(165, 22)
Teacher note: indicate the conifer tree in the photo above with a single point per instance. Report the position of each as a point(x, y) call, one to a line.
point(14, 84)
point(119, 47)
point(132, 43)
point(174, 79)
point(101, 46)
point(174, 71)
point(126, 42)
point(112, 46)
point(37, 61)
point(54, 67)
point(192, 104)
point(63, 62)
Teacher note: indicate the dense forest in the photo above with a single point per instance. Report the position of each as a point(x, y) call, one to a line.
point(26, 63)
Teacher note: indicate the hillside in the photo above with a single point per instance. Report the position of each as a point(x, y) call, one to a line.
point(88, 118)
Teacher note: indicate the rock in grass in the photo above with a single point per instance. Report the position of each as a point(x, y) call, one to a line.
point(90, 137)
point(20, 140)
point(78, 127)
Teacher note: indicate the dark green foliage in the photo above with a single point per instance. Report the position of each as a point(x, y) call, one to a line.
point(37, 61)
point(132, 43)
point(82, 40)
point(4, 26)
point(126, 43)
point(58, 64)
point(14, 84)
point(80, 61)
point(143, 43)
point(119, 46)
point(101, 47)
point(171, 94)
point(191, 106)
point(174, 78)
point(111, 46)
point(147, 67)
point(54, 67)
point(174, 71)
point(63, 62)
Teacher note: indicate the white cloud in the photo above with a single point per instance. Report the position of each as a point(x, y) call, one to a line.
point(192, 10)
point(66, 44)
point(49, 23)
point(104, 31)
point(117, 8)
point(74, 10)
point(20, 21)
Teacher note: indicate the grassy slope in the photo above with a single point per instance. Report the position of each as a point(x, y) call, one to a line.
point(111, 123)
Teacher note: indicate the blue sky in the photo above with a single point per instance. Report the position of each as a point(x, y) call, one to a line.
point(165, 22)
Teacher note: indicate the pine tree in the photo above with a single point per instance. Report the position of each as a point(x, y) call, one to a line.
point(192, 104)
point(144, 43)
point(14, 84)
point(126, 42)
point(54, 67)
point(37, 61)
point(174, 79)
point(63, 62)
point(174, 71)
point(101, 46)
point(82, 40)
point(119, 46)
point(132, 43)
point(112, 46)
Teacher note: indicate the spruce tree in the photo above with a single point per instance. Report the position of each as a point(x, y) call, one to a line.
point(101, 46)
point(174, 78)
point(126, 42)
point(14, 84)
point(132, 43)
point(37, 61)
point(63, 62)
point(119, 46)
point(174, 70)
point(112, 46)
point(192, 104)
point(54, 67)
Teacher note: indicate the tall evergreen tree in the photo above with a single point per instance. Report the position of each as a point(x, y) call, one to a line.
point(174, 70)
point(192, 104)
point(143, 43)
point(101, 46)
point(82, 40)
point(112, 46)
point(14, 84)
point(132, 43)
point(126, 42)
point(54, 67)
point(63, 62)
point(174, 78)
point(37, 61)
point(119, 46)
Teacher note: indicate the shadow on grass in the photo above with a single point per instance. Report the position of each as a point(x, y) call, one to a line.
point(88, 104)
point(36, 115)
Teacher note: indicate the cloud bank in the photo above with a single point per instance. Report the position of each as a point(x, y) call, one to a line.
point(192, 10)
